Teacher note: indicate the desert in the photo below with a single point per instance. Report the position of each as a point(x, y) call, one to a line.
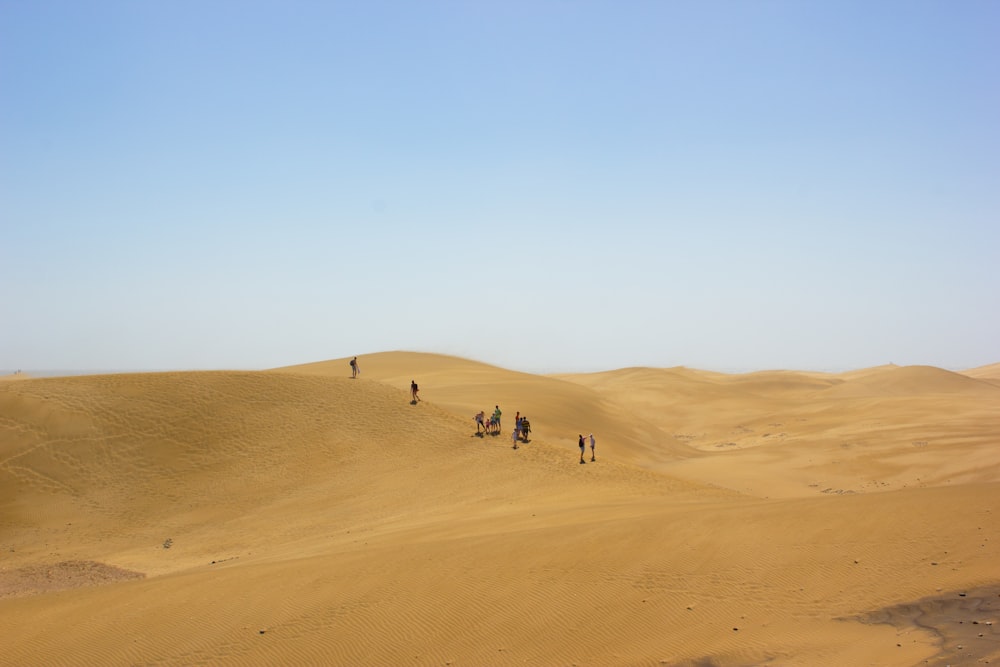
point(301, 516)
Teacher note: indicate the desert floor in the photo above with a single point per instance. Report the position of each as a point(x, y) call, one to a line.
point(299, 516)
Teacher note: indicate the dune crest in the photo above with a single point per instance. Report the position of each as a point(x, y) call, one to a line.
point(299, 516)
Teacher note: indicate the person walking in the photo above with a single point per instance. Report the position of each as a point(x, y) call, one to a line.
point(480, 422)
point(513, 437)
point(592, 447)
point(582, 447)
point(355, 370)
point(414, 392)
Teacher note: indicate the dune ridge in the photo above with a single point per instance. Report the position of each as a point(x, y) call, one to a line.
point(300, 516)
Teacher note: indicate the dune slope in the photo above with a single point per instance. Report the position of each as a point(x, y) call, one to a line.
point(298, 516)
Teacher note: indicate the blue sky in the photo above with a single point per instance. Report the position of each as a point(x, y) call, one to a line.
point(547, 186)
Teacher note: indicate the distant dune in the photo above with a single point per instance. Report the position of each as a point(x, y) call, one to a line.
point(990, 373)
point(299, 516)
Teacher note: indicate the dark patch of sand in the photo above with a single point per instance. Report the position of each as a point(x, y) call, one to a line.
point(37, 579)
point(967, 624)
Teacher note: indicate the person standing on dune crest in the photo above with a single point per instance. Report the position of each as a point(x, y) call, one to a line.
point(355, 370)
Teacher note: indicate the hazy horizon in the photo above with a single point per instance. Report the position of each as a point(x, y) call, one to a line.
point(51, 372)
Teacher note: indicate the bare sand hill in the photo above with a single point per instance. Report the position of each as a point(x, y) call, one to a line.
point(299, 516)
point(990, 373)
point(783, 433)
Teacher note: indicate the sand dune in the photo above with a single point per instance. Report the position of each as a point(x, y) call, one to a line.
point(990, 373)
point(911, 381)
point(298, 516)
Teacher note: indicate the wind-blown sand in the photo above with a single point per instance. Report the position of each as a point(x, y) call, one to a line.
point(298, 516)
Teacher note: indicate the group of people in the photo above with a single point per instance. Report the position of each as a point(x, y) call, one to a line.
point(486, 424)
point(491, 425)
point(522, 427)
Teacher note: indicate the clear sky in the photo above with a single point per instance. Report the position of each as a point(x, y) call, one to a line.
point(542, 185)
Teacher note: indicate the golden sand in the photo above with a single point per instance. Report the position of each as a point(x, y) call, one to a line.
point(299, 516)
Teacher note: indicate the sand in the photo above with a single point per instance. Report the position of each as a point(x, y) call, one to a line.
point(299, 516)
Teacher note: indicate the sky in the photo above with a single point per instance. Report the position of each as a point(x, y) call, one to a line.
point(547, 186)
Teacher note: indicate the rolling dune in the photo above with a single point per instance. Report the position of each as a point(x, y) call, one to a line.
point(298, 516)
point(990, 373)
